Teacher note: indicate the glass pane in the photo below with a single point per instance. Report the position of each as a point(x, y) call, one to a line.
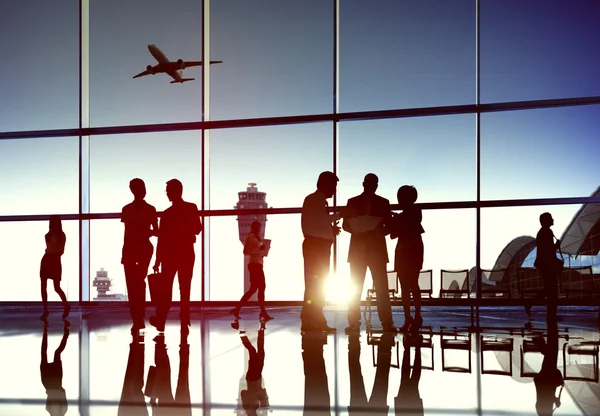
point(406, 54)
point(40, 89)
point(283, 267)
point(540, 153)
point(106, 243)
point(277, 58)
point(120, 37)
point(39, 176)
point(435, 154)
point(153, 157)
point(508, 243)
point(285, 162)
point(22, 250)
point(538, 50)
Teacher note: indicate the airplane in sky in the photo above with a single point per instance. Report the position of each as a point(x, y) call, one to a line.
point(174, 69)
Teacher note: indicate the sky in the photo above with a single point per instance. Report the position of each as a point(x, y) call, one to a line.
point(277, 61)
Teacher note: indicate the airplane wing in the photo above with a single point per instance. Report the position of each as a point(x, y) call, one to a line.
point(199, 63)
point(141, 74)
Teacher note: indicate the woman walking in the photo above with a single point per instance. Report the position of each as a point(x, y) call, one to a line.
point(51, 267)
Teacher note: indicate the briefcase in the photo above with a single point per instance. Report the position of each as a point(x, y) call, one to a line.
point(154, 284)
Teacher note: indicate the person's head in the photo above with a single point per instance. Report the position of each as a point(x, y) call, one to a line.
point(55, 224)
point(370, 183)
point(255, 227)
point(138, 188)
point(174, 190)
point(327, 183)
point(546, 220)
point(407, 195)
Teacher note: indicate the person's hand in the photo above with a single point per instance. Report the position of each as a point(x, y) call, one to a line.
point(336, 228)
point(156, 267)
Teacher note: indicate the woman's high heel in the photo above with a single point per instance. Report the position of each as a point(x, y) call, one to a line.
point(264, 316)
point(408, 322)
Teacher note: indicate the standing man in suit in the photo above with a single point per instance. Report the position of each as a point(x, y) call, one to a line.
point(179, 226)
point(320, 229)
point(141, 222)
point(368, 249)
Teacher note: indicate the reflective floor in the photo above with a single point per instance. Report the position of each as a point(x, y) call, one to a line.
point(94, 366)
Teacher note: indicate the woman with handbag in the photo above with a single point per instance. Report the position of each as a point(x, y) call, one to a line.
point(547, 263)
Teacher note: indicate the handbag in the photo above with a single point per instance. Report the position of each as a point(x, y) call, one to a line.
point(155, 284)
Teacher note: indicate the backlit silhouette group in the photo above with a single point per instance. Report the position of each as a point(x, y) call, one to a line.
point(367, 217)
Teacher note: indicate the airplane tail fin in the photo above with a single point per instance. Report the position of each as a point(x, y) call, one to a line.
point(183, 80)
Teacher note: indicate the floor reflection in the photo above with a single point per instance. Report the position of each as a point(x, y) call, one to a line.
point(95, 367)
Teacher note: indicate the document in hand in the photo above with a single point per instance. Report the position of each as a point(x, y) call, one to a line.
point(267, 243)
point(364, 223)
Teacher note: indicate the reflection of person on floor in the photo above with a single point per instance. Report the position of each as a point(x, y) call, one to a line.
point(316, 389)
point(408, 401)
point(51, 267)
point(179, 226)
point(141, 222)
point(255, 250)
point(162, 401)
point(255, 396)
point(377, 404)
point(408, 261)
point(52, 374)
point(368, 249)
point(132, 396)
point(549, 377)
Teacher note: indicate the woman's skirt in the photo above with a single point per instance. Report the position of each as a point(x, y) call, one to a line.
point(409, 259)
point(51, 267)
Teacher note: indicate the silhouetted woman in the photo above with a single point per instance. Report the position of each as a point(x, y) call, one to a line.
point(51, 267)
point(52, 374)
point(254, 248)
point(255, 396)
point(406, 226)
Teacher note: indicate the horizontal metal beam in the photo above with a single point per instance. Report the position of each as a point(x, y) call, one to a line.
point(303, 119)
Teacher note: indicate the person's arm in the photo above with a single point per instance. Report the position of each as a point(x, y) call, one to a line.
point(317, 222)
point(159, 245)
point(383, 228)
point(346, 222)
point(63, 243)
point(154, 223)
point(251, 246)
point(196, 223)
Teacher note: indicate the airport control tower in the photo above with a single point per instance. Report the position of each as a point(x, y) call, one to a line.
point(103, 284)
point(250, 199)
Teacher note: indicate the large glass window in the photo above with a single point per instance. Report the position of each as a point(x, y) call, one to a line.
point(22, 247)
point(40, 55)
point(540, 153)
point(277, 58)
point(406, 54)
point(39, 176)
point(153, 157)
point(121, 33)
point(538, 50)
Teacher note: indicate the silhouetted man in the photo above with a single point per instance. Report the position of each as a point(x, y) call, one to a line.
point(547, 262)
point(320, 229)
point(140, 220)
point(132, 400)
point(368, 249)
point(377, 404)
point(179, 226)
point(317, 400)
point(52, 374)
point(549, 377)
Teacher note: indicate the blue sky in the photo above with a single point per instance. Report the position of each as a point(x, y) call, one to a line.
point(277, 61)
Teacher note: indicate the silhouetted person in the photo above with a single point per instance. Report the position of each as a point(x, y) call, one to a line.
point(162, 401)
point(408, 401)
point(132, 400)
point(179, 226)
point(547, 262)
point(255, 396)
point(140, 220)
point(316, 388)
point(407, 228)
point(368, 249)
point(52, 374)
point(377, 404)
point(254, 248)
point(51, 267)
point(549, 377)
point(319, 228)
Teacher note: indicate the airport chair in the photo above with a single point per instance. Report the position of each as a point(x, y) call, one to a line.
point(494, 291)
point(372, 295)
point(454, 283)
point(582, 350)
point(453, 340)
point(425, 342)
point(528, 346)
point(494, 344)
